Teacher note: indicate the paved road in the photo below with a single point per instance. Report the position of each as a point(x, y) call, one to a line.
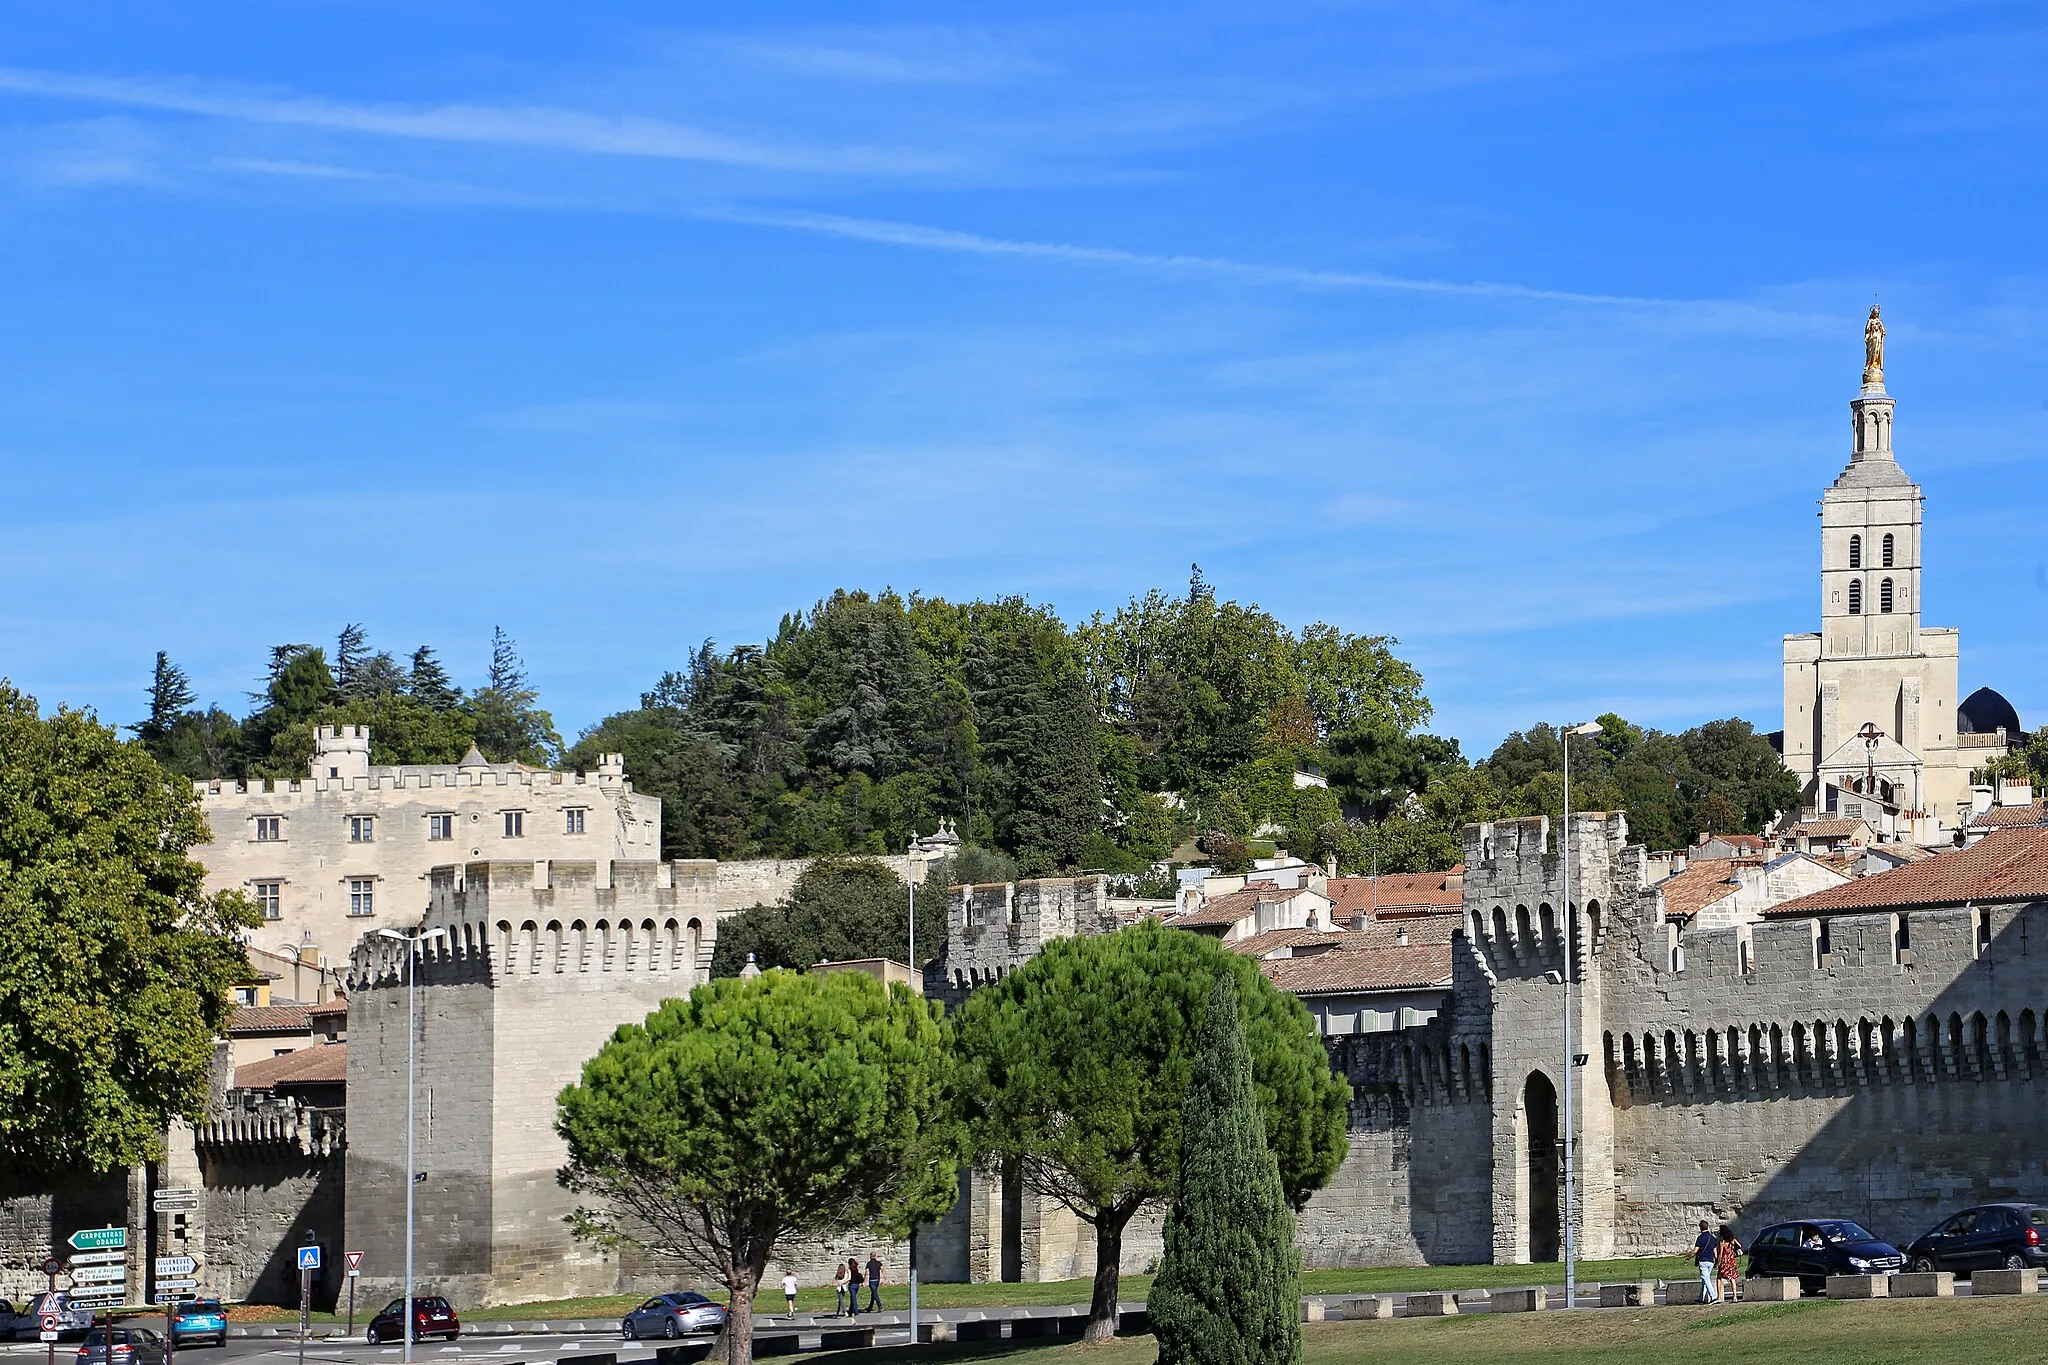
point(270, 1351)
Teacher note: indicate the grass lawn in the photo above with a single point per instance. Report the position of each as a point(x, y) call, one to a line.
point(1878, 1332)
point(1384, 1279)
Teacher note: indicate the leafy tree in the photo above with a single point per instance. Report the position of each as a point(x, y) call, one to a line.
point(505, 716)
point(203, 744)
point(1375, 767)
point(351, 652)
point(427, 682)
point(118, 967)
point(1077, 1064)
point(757, 1113)
point(1228, 1291)
point(1353, 680)
point(840, 908)
point(1228, 814)
point(971, 866)
point(300, 687)
point(377, 676)
point(170, 693)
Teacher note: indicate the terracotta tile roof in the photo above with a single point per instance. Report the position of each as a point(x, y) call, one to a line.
point(2005, 865)
point(1273, 940)
point(1704, 881)
point(325, 1063)
point(1827, 829)
point(1234, 907)
point(2005, 817)
point(1373, 969)
point(271, 1019)
point(1905, 853)
point(1749, 841)
point(1422, 930)
point(1396, 891)
point(331, 1008)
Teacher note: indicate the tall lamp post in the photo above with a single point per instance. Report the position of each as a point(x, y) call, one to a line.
point(412, 1042)
point(1571, 936)
point(917, 979)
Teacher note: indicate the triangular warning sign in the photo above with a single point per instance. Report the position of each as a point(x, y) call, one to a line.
point(355, 1260)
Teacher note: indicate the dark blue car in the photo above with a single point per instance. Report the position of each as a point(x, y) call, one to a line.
point(1820, 1248)
point(673, 1315)
point(199, 1320)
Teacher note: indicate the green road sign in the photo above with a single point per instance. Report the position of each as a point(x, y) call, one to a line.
point(99, 1239)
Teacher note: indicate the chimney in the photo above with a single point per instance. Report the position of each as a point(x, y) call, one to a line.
point(1401, 937)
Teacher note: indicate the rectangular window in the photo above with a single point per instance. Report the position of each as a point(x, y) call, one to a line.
point(269, 899)
point(572, 820)
point(362, 896)
point(269, 829)
point(362, 828)
point(515, 824)
point(440, 827)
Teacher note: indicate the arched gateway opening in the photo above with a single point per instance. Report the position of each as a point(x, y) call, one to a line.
point(1539, 1122)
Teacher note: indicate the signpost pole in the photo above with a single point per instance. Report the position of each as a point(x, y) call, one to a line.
point(305, 1311)
point(170, 1335)
point(351, 1304)
point(50, 1269)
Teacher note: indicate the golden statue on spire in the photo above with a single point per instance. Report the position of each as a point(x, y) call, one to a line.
point(1873, 349)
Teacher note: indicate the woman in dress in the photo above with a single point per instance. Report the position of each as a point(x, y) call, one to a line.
point(1726, 1271)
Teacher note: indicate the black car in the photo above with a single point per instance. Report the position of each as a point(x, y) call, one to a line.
point(1817, 1249)
point(1988, 1237)
point(432, 1316)
point(132, 1346)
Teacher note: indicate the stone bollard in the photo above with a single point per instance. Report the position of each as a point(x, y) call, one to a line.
point(1641, 1294)
point(934, 1331)
point(1134, 1322)
point(2005, 1282)
point(1517, 1300)
point(846, 1339)
point(1681, 1293)
point(1932, 1284)
point(1772, 1289)
point(1859, 1286)
point(778, 1344)
point(1365, 1309)
point(1430, 1305)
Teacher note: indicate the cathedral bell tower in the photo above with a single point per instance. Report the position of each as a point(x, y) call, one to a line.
point(1870, 699)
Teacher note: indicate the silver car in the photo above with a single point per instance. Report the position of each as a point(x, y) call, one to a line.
point(681, 1314)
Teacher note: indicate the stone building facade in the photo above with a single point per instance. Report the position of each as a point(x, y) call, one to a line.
point(348, 848)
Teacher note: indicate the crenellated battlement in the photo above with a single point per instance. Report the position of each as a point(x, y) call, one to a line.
point(498, 921)
point(994, 928)
point(232, 792)
point(250, 1119)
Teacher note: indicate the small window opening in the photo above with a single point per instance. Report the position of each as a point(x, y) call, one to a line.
point(1884, 596)
point(1887, 551)
point(1855, 552)
point(1855, 597)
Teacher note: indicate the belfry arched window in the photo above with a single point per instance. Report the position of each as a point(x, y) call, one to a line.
point(1855, 552)
point(1855, 597)
point(1884, 596)
point(1887, 550)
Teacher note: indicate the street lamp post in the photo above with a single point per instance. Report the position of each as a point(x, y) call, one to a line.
point(1571, 935)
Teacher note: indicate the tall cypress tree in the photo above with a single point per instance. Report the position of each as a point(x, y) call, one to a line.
point(1228, 1291)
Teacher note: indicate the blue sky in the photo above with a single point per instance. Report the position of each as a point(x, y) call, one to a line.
point(1523, 332)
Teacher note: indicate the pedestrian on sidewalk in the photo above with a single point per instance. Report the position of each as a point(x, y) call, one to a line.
point(874, 1282)
point(789, 1293)
point(852, 1287)
point(1726, 1270)
point(1705, 1248)
point(839, 1288)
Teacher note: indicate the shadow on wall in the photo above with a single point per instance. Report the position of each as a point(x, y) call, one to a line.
point(304, 1205)
point(1871, 1109)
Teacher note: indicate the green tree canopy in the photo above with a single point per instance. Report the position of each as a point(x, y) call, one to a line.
point(1076, 1067)
point(840, 908)
point(118, 967)
point(785, 1107)
point(1228, 1291)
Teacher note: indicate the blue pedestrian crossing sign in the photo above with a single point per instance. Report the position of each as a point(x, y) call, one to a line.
point(309, 1258)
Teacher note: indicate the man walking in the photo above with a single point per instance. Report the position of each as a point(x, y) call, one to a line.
point(789, 1292)
point(1704, 1248)
point(874, 1282)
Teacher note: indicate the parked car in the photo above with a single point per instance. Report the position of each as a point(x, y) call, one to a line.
point(199, 1320)
point(132, 1346)
point(72, 1319)
point(1988, 1237)
point(1820, 1248)
point(431, 1317)
point(673, 1315)
point(7, 1320)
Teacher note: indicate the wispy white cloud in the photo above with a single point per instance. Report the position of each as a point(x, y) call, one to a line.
point(917, 235)
point(537, 126)
point(310, 170)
